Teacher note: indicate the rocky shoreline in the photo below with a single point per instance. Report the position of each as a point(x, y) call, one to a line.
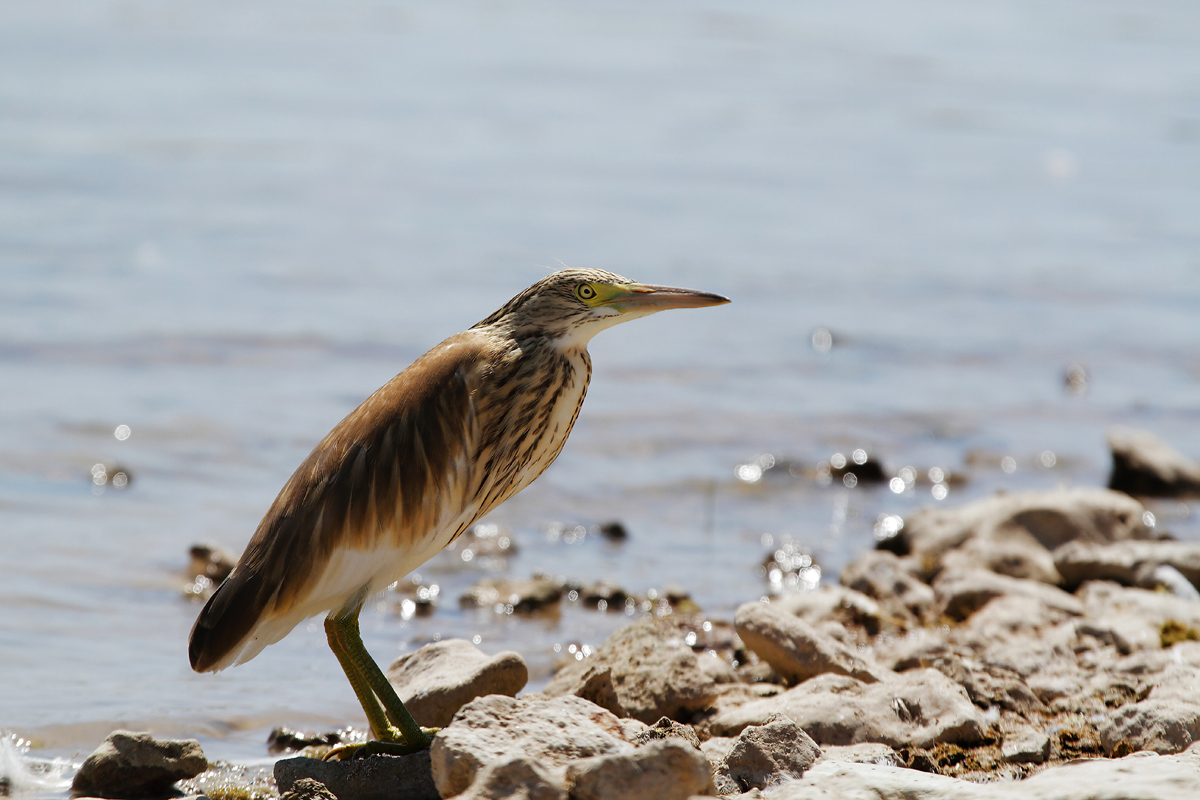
point(1032, 645)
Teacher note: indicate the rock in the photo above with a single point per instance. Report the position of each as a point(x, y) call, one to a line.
point(1166, 721)
point(551, 731)
point(1122, 561)
point(517, 779)
point(484, 541)
point(1026, 747)
point(1145, 465)
point(1141, 776)
point(212, 561)
point(663, 770)
point(283, 739)
point(371, 778)
point(131, 764)
point(1164, 577)
point(884, 577)
point(614, 531)
point(513, 596)
point(763, 755)
point(308, 789)
point(604, 596)
point(962, 592)
point(654, 673)
point(864, 753)
point(919, 708)
point(989, 684)
point(831, 603)
point(829, 779)
point(440, 678)
point(668, 729)
point(1013, 534)
point(795, 649)
point(1137, 615)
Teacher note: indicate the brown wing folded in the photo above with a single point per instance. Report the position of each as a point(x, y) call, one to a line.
point(383, 471)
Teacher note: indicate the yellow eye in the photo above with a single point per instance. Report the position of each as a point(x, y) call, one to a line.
point(585, 292)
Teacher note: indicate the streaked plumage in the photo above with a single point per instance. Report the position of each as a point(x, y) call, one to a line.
point(466, 426)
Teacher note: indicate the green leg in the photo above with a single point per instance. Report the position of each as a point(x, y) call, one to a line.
point(391, 724)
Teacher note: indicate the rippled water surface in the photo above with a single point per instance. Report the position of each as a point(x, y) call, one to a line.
point(223, 225)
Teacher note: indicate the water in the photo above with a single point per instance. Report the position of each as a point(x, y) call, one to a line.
point(224, 225)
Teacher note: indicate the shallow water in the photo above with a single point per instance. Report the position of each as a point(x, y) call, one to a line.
point(224, 226)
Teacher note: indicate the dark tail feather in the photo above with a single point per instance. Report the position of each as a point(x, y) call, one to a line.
point(229, 616)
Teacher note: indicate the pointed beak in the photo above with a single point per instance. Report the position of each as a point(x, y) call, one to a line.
point(645, 298)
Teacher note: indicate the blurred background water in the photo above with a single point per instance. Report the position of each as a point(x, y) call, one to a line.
point(223, 225)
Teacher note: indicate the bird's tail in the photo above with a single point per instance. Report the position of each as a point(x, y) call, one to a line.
point(224, 628)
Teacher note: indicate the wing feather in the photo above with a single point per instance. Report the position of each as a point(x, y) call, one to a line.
point(387, 470)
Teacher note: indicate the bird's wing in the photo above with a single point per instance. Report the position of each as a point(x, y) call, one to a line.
point(383, 478)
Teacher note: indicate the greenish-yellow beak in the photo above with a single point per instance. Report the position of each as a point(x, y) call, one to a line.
point(646, 298)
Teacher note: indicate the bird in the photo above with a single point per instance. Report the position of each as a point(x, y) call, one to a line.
point(459, 431)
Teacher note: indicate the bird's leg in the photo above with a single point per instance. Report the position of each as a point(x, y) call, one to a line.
point(392, 726)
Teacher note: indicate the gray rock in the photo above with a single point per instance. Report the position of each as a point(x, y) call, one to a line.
point(551, 731)
point(1026, 747)
point(1145, 465)
point(919, 708)
point(1137, 615)
point(518, 779)
point(1142, 776)
point(834, 780)
point(1159, 725)
point(131, 764)
point(1013, 534)
point(864, 753)
point(663, 770)
point(653, 672)
point(840, 605)
point(371, 778)
point(1167, 721)
point(886, 578)
point(763, 755)
point(989, 684)
point(962, 592)
point(1121, 561)
point(440, 678)
point(668, 729)
point(795, 649)
point(307, 789)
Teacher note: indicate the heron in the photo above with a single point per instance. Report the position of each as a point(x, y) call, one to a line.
point(462, 429)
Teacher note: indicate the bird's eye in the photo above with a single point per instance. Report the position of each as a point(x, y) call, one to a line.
point(584, 291)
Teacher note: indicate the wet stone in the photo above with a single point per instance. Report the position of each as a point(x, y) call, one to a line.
point(372, 778)
point(604, 595)
point(513, 595)
point(614, 531)
point(1143, 464)
point(131, 764)
point(284, 739)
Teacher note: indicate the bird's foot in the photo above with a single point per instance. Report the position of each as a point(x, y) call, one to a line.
point(395, 745)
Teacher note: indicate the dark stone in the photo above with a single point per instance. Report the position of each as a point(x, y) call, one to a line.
point(1144, 465)
point(614, 531)
point(372, 778)
point(284, 739)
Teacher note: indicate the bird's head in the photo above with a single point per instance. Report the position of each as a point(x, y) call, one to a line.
point(573, 305)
